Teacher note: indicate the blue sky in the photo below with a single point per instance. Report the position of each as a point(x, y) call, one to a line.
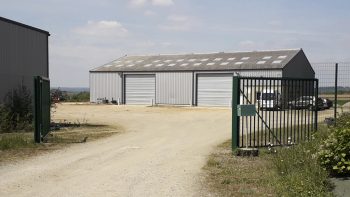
point(88, 33)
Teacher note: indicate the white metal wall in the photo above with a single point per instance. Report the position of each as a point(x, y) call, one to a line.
point(214, 89)
point(140, 89)
point(105, 85)
point(174, 88)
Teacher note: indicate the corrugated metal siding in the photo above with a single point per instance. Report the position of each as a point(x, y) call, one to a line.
point(214, 89)
point(140, 89)
point(174, 88)
point(23, 54)
point(105, 85)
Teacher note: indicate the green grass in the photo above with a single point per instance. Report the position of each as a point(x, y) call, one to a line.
point(342, 102)
point(292, 171)
point(15, 146)
point(298, 172)
point(229, 175)
point(16, 141)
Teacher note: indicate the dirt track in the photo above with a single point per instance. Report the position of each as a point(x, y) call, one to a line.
point(160, 153)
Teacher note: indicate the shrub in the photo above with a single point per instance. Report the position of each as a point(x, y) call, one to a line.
point(16, 112)
point(334, 153)
point(79, 97)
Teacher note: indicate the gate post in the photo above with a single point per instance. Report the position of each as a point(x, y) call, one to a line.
point(41, 108)
point(235, 117)
point(37, 110)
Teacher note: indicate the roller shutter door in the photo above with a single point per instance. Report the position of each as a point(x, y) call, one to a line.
point(214, 89)
point(140, 89)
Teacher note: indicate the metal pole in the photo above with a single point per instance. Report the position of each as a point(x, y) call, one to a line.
point(235, 118)
point(336, 94)
point(316, 106)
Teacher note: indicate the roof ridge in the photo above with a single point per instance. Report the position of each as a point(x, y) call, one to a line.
point(222, 52)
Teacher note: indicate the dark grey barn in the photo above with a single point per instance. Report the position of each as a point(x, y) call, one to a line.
point(23, 54)
point(190, 79)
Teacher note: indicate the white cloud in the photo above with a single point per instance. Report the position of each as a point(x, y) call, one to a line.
point(178, 18)
point(178, 23)
point(274, 23)
point(149, 13)
point(140, 3)
point(106, 29)
point(162, 2)
point(247, 43)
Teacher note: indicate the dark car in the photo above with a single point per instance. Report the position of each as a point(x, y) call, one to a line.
point(306, 102)
point(327, 103)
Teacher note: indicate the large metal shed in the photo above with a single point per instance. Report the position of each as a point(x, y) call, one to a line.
point(23, 55)
point(190, 79)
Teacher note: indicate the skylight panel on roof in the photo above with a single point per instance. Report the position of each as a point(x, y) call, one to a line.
point(197, 64)
point(277, 61)
point(117, 61)
point(231, 59)
point(139, 61)
point(267, 57)
point(128, 61)
point(261, 62)
point(159, 65)
point(155, 61)
point(107, 66)
point(224, 63)
point(130, 65)
point(239, 63)
point(184, 64)
point(147, 65)
point(217, 59)
point(204, 60)
point(167, 61)
point(119, 65)
point(245, 58)
point(180, 60)
point(282, 57)
point(192, 60)
point(171, 64)
point(210, 63)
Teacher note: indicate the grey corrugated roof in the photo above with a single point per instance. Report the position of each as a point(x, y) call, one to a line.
point(212, 61)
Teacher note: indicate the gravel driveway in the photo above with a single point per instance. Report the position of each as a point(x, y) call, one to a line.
point(160, 153)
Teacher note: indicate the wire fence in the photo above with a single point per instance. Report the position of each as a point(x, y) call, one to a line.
point(334, 89)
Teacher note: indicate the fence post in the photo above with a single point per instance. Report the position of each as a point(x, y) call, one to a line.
point(235, 118)
point(336, 94)
point(316, 104)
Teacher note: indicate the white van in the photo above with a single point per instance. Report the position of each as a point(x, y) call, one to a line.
point(270, 99)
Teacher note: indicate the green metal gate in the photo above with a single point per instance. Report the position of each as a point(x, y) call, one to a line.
point(42, 106)
point(286, 111)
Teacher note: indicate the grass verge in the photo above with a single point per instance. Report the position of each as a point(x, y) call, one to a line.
point(15, 146)
point(228, 175)
point(292, 171)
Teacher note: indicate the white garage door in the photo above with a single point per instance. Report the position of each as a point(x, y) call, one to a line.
point(214, 89)
point(140, 89)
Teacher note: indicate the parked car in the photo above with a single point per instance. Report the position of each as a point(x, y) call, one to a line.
point(306, 102)
point(327, 103)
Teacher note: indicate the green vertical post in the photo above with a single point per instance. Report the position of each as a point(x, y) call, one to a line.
point(335, 94)
point(316, 108)
point(37, 110)
point(235, 117)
